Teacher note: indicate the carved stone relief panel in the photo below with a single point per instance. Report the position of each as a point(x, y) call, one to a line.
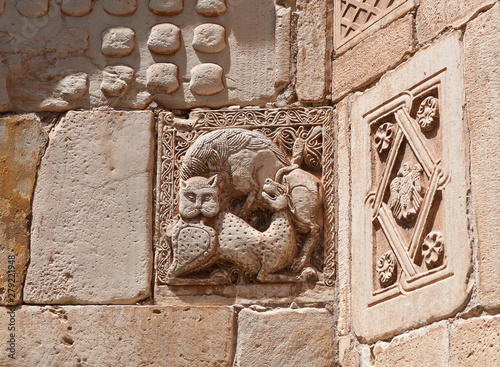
point(410, 242)
point(245, 198)
point(353, 18)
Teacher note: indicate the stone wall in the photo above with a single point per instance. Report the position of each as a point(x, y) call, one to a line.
point(249, 183)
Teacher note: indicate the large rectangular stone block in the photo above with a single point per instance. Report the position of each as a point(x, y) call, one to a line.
point(365, 61)
point(411, 250)
point(482, 86)
point(22, 141)
point(285, 337)
point(118, 336)
point(91, 235)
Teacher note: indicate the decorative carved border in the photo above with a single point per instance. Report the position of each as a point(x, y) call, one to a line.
point(313, 125)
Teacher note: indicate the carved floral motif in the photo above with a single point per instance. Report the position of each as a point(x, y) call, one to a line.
point(383, 137)
point(428, 113)
point(433, 249)
point(386, 269)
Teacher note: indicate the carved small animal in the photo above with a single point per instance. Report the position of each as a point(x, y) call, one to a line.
point(245, 159)
point(260, 255)
point(199, 196)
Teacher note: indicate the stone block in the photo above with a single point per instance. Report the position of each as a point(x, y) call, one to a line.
point(120, 7)
point(91, 227)
point(207, 79)
point(365, 62)
point(285, 337)
point(77, 8)
point(209, 38)
point(423, 347)
point(482, 88)
point(33, 9)
point(116, 80)
point(411, 250)
point(476, 342)
point(311, 53)
point(211, 8)
point(165, 39)
point(282, 51)
point(119, 336)
point(22, 142)
point(166, 7)
point(433, 16)
point(163, 78)
point(118, 41)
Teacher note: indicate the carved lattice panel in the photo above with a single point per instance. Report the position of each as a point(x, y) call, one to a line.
point(352, 17)
point(411, 251)
point(280, 129)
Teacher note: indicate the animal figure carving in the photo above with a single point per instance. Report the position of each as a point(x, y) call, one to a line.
point(406, 192)
point(199, 242)
point(244, 158)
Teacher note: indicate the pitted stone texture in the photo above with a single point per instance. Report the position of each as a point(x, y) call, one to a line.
point(433, 16)
point(163, 78)
point(2, 6)
point(120, 7)
point(211, 8)
point(91, 227)
point(22, 142)
point(118, 41)
point(5, 104)
point(206, 79)
point(120, 336)
point(116, 80)
point(209, 38)
point(285, 337)
point(365, 61)
point(166, 7)
point(77, 8)
point(30, 8)
point(481, 54)
point(164, 39)
point(476, 342)
point(311, 54)
point(423, 347)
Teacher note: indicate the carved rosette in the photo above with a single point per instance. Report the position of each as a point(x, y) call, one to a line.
point(433, 250)
point(298, 135)
point(428, 113)
point(386, 269)
point(383, 137)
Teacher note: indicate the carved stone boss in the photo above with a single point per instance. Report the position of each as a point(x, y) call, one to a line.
point(245, 196)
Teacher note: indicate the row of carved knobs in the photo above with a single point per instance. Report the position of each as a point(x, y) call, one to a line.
point(78, 8)
point(164, 39)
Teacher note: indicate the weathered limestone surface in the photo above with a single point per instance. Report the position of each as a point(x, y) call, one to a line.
point(423, 347)
point(22, 141)
point(433, 16)
point(92, 227)
point(371, 57)
point(482, 83)
point(303, 337)
point(120, 336)
point(476, 342)
point(311, 54)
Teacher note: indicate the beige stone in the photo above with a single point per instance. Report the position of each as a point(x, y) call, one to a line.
point(343, 216)
point(311, 52)
point(166, 7)
point(285, 337)
point(433, 16)
point(77, 8)
point(91, 227)
point(207, 79)
point(120, 336)
point(423, 347)
point(282, 50)
point(371, 57)
point(163, 78)
point(22, 142)
point(482, 86)
point(396, 282)
point(165, 39)
point(211, 8)
point(118, 41)
point(476, 342)
point(30, 8)
point(116, 80)
point(209, 38)
point(351, 359)
point(120, 7)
